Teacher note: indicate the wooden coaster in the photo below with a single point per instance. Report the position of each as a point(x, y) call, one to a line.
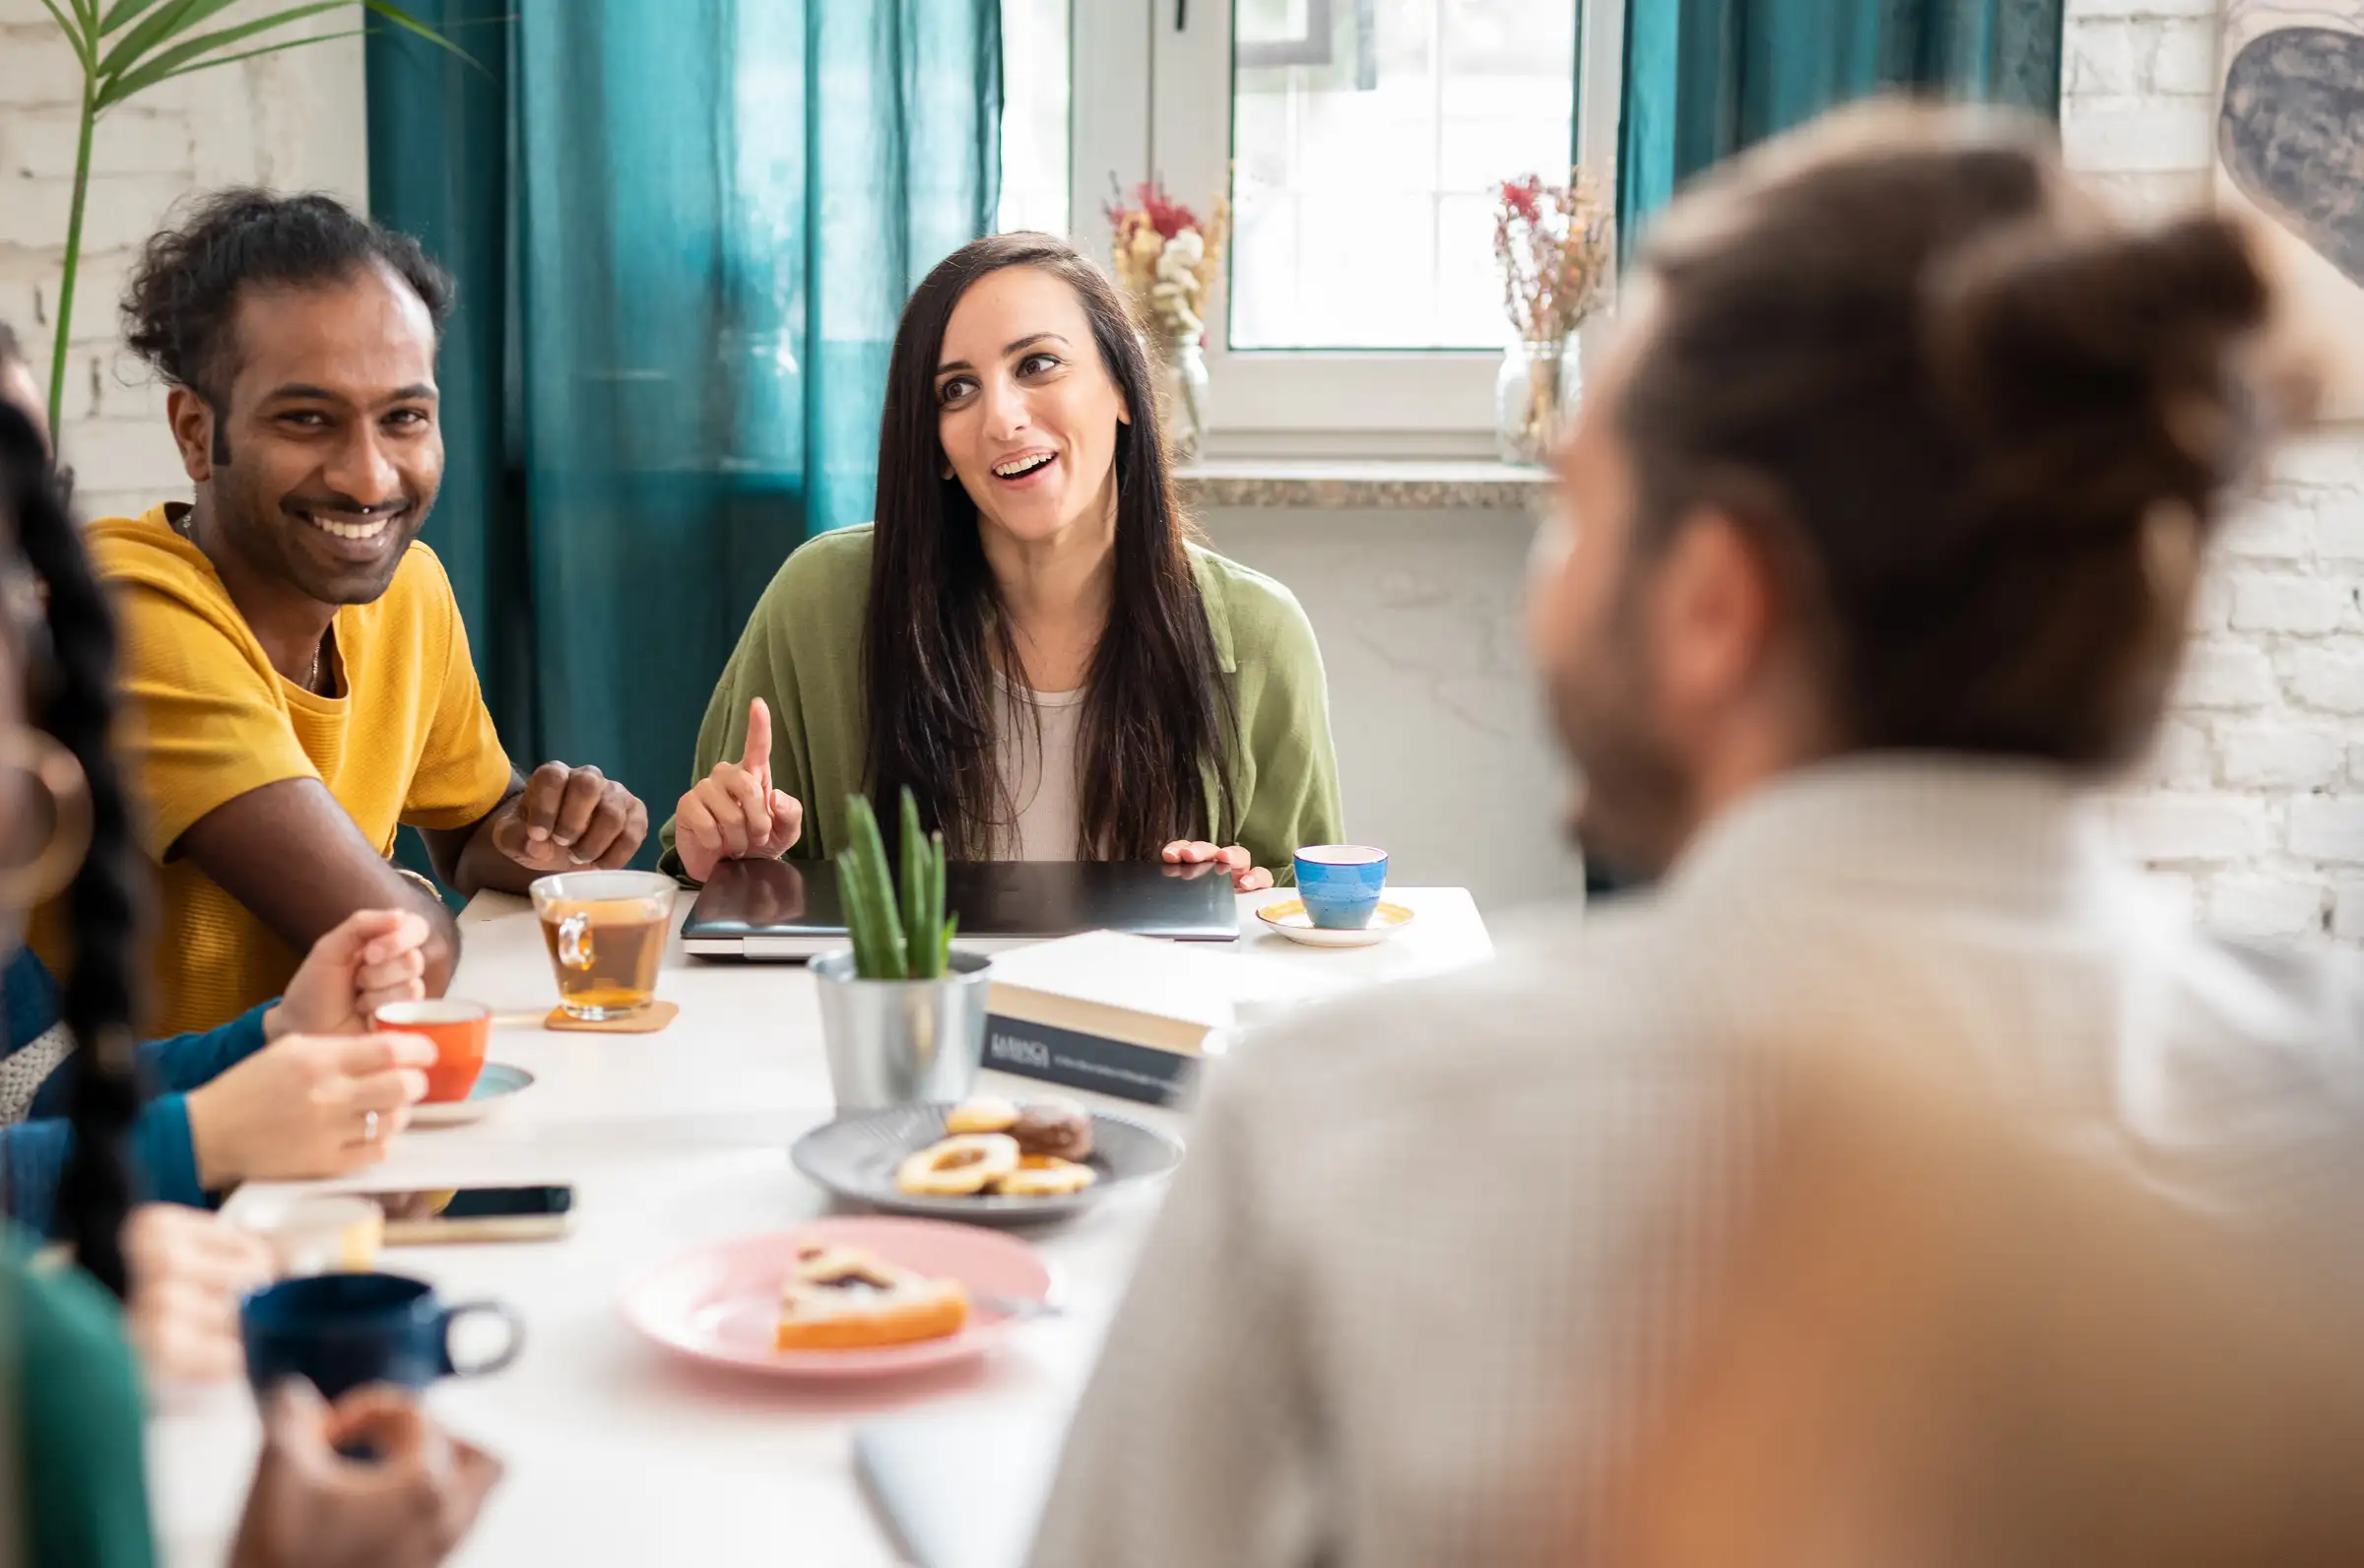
point(659, 1014)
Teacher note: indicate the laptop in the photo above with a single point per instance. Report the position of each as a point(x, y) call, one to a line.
point(789, 909)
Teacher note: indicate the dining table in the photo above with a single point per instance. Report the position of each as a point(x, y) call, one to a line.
point(617, 1451)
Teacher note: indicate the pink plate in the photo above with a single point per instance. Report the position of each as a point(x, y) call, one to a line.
point(720, 1303)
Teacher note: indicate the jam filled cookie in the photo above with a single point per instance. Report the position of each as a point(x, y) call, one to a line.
point(958, 1167)
point(1045, 1176)
point(985, 1113)
point(1059, 1128)
point(842, 1298)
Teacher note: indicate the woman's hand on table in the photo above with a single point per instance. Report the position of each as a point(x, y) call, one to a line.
point(312, 1507)
point(376, 956)
point(187, 1272)
point(735, 813)
point(308, 1106)
point(1246, 876)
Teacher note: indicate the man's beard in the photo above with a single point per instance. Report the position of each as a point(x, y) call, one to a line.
point(270, 537)
point(1638, 802)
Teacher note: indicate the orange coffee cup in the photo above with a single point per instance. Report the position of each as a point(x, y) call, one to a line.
point(460, 1030)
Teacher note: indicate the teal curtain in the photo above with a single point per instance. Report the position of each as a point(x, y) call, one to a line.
point(682, 230)
point(1707, 77)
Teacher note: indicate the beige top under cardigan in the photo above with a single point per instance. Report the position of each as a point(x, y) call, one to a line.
point(1034, 736)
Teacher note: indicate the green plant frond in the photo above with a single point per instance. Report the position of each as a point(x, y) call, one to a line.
point(121, 14)
point(76, 29)
point(894, 938)
point(169, 62)
point(410, 23)
point(162, 25)
point(268, 49)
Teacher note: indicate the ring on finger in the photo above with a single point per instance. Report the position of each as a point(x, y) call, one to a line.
point(369, 1127)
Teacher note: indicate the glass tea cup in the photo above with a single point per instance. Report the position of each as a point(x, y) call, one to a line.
point(606, 932)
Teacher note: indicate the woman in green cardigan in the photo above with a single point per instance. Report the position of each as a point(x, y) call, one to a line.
point(1026, 637)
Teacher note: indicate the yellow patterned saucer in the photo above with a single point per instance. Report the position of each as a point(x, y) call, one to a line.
point(1290, 919)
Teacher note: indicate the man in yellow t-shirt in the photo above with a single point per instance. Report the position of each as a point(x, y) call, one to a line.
point(298, 674)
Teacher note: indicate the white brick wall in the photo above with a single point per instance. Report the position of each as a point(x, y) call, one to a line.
point(291, 121)
point(2254, 801)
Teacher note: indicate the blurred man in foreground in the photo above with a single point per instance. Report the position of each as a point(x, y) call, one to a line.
point(1936, 1340)
point(1878, 537)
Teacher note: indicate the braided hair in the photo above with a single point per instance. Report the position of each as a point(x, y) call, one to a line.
point(71, 698)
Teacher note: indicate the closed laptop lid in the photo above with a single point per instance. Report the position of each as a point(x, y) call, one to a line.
point(1015, 898)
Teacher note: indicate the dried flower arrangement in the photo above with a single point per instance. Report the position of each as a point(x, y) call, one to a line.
point(1556, 245)
point(1167, 259)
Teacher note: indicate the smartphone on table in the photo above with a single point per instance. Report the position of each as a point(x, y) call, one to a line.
point(429, 1217)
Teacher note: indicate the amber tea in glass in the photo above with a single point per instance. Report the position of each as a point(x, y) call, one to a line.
point(606, 933)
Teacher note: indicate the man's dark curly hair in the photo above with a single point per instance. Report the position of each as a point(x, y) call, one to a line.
point(183, 297)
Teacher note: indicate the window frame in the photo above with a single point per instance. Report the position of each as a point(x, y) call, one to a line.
point(1152, 91)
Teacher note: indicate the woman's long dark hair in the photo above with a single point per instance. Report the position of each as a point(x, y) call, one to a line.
point(1155, 710)
point(72, 700)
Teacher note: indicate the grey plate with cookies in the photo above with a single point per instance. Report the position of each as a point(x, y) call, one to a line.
point(859, 1155)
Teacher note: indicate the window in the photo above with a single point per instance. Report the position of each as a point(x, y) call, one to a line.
point(1360, 143)
point(1367, 139)
point(1034, 111)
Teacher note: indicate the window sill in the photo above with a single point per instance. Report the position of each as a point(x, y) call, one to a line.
point(1352, 484)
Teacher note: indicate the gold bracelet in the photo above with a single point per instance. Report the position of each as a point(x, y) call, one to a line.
point(423, 885)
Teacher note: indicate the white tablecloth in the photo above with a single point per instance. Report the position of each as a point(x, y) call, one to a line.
point(618, 1453)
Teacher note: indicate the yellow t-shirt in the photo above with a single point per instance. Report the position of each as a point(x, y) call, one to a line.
point(208, 719)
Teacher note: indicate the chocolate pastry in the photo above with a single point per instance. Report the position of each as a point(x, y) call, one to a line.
point(1059, 1128)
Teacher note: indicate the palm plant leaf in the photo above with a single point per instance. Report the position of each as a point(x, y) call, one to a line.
point(120, 12)
point(410, 23)
point(75, 28)
point(169, 62)
point(166, 21)
point(306, 41)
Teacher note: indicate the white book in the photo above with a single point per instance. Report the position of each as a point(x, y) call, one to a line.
point(1142, 991)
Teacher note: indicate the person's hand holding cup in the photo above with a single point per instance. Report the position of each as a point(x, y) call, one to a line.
point(307, 1106)
point(460, 1032)
point(372, 957)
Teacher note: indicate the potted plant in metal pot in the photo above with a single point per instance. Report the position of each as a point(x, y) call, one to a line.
point(902, 1015)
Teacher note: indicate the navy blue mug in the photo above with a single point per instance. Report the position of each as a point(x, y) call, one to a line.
point(343, 1330)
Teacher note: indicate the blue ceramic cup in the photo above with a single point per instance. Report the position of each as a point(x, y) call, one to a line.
point(342, 1331)
point(1340, 884)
